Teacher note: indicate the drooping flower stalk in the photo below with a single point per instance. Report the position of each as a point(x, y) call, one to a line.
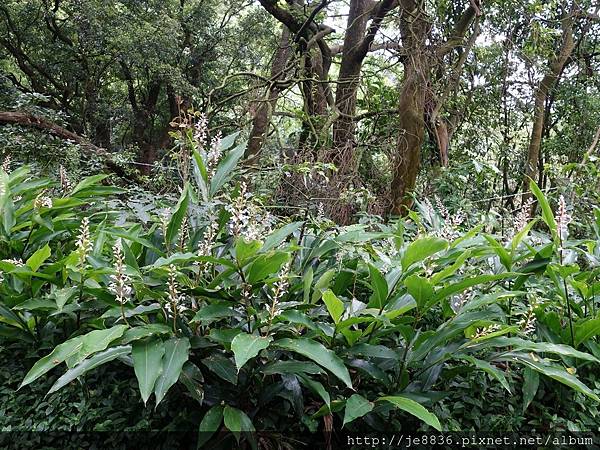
point(120, 285)
point(84, 242)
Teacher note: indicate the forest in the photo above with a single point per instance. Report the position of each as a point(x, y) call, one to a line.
point(287, 224)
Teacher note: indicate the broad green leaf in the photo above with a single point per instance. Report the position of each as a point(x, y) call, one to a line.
point(544, 347)
point(319, 354)
point(245, 250)
point(60, 353)
point(356, 406)
point(547, 214)
point(335, 306)
point(278, 236)
point(321, 285)
point(95, 341)
point(222, 367)
point(62, 296)
point(414, 408)
point(557, 373)
point(37, 259)
point(531, 381)
point(147, 364)
point(316, 387)
point(210, 424)
point(488, 368)
point(266, 264)
point(178, 216)
point(420, 289)
point(144, 331)
point(192, 378)
point(291, 366)
point(176, 354)
point(586, 330)
point(237, 421)
point(88, 182)
point(504, 256)
point(200, 174)
point(307, 283)
point(247, 346)
point(380, 288)
point(229, 140)
point(422, 248)
point(225, 169)
point(88, 364)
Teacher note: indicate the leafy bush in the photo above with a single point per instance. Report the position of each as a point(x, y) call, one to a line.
point(272, 325)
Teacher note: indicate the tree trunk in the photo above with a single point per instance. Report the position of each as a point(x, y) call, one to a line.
point(349, 76)
point(262, 116)
point(411, 108)
point(541, 94)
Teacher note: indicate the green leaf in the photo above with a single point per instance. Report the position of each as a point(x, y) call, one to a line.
point(321, 285)
point(244, 250)
point(420, 289)
point(531, 381)
point(147, 358)
point(222, 367)
point(97, 360)
point(237, 421)
point(316, 387)
point(192, 378)
point(557, 373)
point(307, 282)
point(229, 140)
point(504, 256)
point(265, 265)
point(200, 174)
point(60, 353)
point(291, 366)
point(380, 288)
point(356, 406)
point(414, 408)
point(547, 214)
point(247, 346)
point(176, 354)
point(37, 259)
point(210, 424)
point(279, 235)
point(95, 341)
point(586, 330)
point(225, 169)
point(87, 182)
point(178, 216)
point(335, 306)
point(422, 248)
point(488, 368)
point(319, 354)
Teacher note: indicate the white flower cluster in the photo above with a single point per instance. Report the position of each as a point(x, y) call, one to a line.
point(16, 261)
point(84, 243)
point(42, 201)
point(457, 301)
point(175, 303)
point(65, 183)
point(247, 219)
point(280, 288)
point(528, 322)
point(563, 219)
point(120, 284)
point(213, 155)
point(449, 230)
point(6, 164)
point(481, 332)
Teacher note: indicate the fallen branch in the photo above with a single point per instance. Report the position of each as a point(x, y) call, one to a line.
point(41, 123)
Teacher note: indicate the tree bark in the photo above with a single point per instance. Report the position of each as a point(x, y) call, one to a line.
point(411, 107)
point(262, 116)
point(547, 83)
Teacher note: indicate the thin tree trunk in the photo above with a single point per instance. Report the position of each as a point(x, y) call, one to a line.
point(541, 94)
point(262, 117)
